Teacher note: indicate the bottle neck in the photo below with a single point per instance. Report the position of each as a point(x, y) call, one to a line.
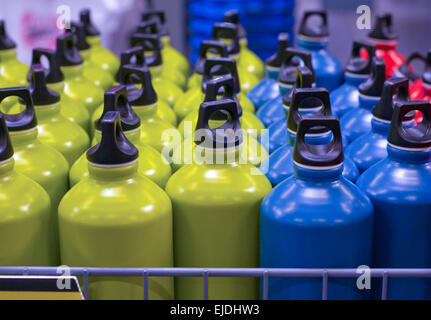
point(243, 43)
point(368, 102)
point(409, 155)
point(284, 88)
point(155, 71)
point(385, 45)
point(84, 53)
point(311, 44)
point(47, 111)
point(317, 174)
point(56, 86)
point(109, 173)
point(23, 137)
point(7, 55)
point(380, 126)
point(72, 71)
point(134, 136)
point(94, 41)
point(145, 111)
point(166, 41)
point(354, 79)
point(216, 157)
point(272, 72)
point(6, 167)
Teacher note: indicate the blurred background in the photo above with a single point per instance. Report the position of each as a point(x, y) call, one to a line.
point(33, 24)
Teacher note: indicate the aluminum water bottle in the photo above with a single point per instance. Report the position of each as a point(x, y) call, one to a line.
point(370, 148)
point(400, 188)
point(315, 101)
point(99, 55)
point(25, 213)
point(346, 97)
point(316, 219)
point(38, 161)
point(272, 111)
point(11, 69)
point(314, 38)
point(216, 209)
point(117, 218)
point(357, 121)
point(267, 89)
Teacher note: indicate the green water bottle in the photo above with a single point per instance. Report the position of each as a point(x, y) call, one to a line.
point(116, 217)
point(99, 55)
point(216, 202)
point(25, 213)
point(151, 164)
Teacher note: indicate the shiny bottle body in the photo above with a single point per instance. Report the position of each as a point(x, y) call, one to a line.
point(346, 97)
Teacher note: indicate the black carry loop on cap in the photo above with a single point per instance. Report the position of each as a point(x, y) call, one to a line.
point(426, 77)
point(127, 57)
point(39, 91)
point(213, 46)
point(159, 15)
point(304, 79)
point(394, 91)
point(53, 73)
point(232, 16)
point(67, 53)
point(373, 86)
point(227, 85)
point(220, 66)
point(417, 137)
point(229, 135)
point(116, 100)
point(404, 69)
point(149, 43)
point(6, 148)
point(318, 156)
point(383, 28)
point(226, 30)
point(357, 64)
point(309, 30)
point(276, 59)
point(78, 30)
point(290, 63)
point(24, 120)
point(300, 97)
point(89, 27)
point(134, 74)
point(114, 148)
point(6, 42)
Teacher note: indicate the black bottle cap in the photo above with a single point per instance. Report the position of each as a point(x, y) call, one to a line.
point(226, 30)
point(24, 120)
point(304, 79)
point(373, 86)
point(213, 46)
point(225, 83)
point(217, 66)
point(6, 42)
point(67, 53)
point(356, 64)
point(426, 77)
point(161, 20)
point(229, 135)
point(127, 57)
point(417, 137)
point(6, 148)
point(314, 31)
point(89, 27)
point(318, 156)
point(276, 59)
point(290, 63)
point(308, 98)
point(116, 100)
point(394, 91)
point(53, 74)
point(39, 91)
point(78, 30)
point(148, 27)
point(404, 69)
point(149, 43)
point(383, 28)
point(133, 74)
point(232, 16)
point(114, 148)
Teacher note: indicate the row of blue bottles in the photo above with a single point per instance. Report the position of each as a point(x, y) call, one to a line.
point(267, 89)
point(346, 97)
point(371, 147)
point(316, 219)
point(272, 111)
point(314, 38)
point(308, 101)
point(357, 122)
point(399, 187)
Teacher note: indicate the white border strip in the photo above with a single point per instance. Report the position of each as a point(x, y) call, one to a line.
point(317, 168)
point(6, 161)
point(409, 149)
point(113, 165)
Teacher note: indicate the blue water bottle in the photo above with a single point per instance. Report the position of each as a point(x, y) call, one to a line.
point(400, 188)
point(346, 97)
point(314, 38)
point(316, 219)
point(357, 122)
point(371, 147)
point(267, 89)
point(272, 111)
point(315, 101)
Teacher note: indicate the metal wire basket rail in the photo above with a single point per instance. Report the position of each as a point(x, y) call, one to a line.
point(262, 273)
